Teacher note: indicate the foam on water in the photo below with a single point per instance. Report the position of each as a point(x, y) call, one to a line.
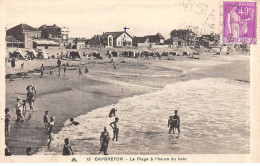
point(214, 119)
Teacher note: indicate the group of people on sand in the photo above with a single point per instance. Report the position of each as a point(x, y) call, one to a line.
point(86, 71)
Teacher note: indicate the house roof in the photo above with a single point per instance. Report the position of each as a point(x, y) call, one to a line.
point(115, 34)
point(23, 27)
point(50, 29)
point(140, 39)
point(153, 38)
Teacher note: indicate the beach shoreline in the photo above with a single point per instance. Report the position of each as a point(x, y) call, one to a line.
point(103, 87)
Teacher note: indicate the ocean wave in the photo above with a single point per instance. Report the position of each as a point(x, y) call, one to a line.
point(214, 116)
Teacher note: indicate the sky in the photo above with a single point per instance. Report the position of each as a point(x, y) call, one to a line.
point(86, 18)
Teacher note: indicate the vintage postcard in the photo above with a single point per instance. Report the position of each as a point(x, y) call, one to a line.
point(130, 81)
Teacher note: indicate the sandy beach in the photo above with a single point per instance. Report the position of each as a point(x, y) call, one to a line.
point(211, 94)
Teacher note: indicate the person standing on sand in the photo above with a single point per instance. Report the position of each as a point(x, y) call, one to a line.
point(42, 67)
point(58, 62)
point(115, 129)
point(13, 63)
point(50, 130)
point(67, 150)
point(176, 121)
point(104, 141)
point(41, 72)
point(80, 73)
point(7, 123)
point(65, 69)
point(22, 66)
point(46, 120)
point(86, 70)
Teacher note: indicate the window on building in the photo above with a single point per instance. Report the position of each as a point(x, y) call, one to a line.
point(118, 42)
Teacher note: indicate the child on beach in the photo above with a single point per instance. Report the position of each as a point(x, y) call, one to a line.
point(104, 141)
point(170, 124)
point(50, 130)
point(86, 70)
point(24, 107)
point(73, 122)
point(80, 73)
point(22, 66)
point(115, 129)
point(67, 150)
point(51, 72)
point(7, 123)
point(59, 62)
point(42, 67)
point(176, 121)
point(46, 120)
point(18, 106)
point(65, 69)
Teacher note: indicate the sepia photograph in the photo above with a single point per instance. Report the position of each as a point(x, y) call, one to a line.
point(113, 79)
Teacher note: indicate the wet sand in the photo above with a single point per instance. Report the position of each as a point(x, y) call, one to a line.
point(71, 95)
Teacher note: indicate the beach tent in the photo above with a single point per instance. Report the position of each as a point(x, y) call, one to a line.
point(17, 54)
point(74, 55)
point(31, 54)
point(185, 53)
point(42, 54)
point(115, 53)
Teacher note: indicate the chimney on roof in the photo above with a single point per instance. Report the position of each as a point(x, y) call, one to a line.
point(54, 25)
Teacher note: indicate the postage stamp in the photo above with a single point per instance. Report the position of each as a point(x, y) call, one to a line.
point(239, 22)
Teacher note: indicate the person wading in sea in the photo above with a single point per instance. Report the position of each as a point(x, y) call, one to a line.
point(104, 141)
point(67, 150)
point(18, 107)
point(170, 124)
point(176, 121)
point(112, 113)
point(50, 130)
point(46, 120)
point(115, 129)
